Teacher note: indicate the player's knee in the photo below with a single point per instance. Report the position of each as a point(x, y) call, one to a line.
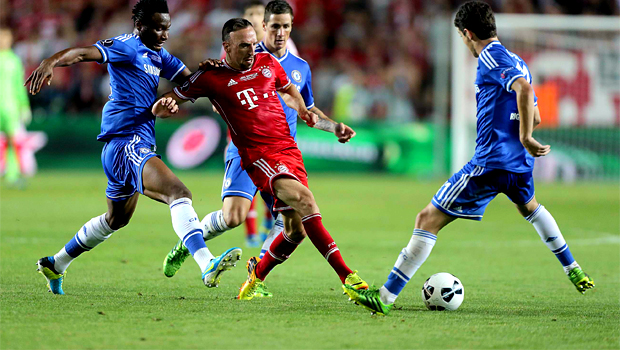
point(179, 190)
point(424, 218)
point(118, 221)
point(297, 233)
point(306, 202)
point(234, 217)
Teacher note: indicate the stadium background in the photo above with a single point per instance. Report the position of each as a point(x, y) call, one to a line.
point(383, 66)
point(377, 65)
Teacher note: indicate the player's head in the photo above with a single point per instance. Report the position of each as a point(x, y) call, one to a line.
point(6, 38)
point(254, 11)
point(151, 19)
point(475, 22)
point(278, 23)
point(239, 41)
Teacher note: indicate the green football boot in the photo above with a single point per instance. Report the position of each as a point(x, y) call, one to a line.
point(175, 258)
point(261, 291)
point(368, 298)
point(581, 280)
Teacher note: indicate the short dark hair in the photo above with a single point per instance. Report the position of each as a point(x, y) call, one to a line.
point(145, 9)
point(477, 17)
point(252, 3)
point(277, 7)
point(233, 25)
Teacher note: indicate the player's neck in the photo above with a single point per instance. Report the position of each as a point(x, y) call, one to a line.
point(480, 45)
point(273, 51)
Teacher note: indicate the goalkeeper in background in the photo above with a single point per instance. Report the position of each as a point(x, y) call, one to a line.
point(15, 107)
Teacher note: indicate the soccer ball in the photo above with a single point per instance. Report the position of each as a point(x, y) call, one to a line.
point(443, 291)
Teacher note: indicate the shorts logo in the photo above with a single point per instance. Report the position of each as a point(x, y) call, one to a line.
point(107, 42)
point(185, 86)
point(144, 150)
point(296, 75)
point(227, 183)
point(282, 168)
point(266, 72)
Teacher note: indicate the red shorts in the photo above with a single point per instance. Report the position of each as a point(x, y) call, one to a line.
point(287, 163)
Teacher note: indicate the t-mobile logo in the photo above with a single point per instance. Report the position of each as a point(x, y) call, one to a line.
point(247, 98)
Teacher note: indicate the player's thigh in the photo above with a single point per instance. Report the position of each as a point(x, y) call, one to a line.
point(161, 184)
point(467, 193)
point(432, 219)
point(235, 210)
point(520, 190)
point(9, 121)
point(295, 194)
point(120, 211)
point(293, 226)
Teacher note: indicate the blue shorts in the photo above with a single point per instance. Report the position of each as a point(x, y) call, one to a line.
point(123, 160)
point(237, 183)
point(468, 192)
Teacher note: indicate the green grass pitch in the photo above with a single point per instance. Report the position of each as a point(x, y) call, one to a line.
point(516, 294)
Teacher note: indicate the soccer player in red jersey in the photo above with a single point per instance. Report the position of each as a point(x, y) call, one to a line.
point(244, 92)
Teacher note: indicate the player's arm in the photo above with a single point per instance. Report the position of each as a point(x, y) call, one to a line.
point(63, 58)
point(293, 99)
point(537, 119)
point(343, 132)
point(167, 105)
point(527, 113)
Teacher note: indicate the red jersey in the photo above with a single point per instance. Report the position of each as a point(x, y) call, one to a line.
point(248, 103)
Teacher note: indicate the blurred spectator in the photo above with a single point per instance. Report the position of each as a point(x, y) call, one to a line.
point(370, 58)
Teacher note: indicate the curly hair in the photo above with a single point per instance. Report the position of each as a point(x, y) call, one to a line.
point(145, 9)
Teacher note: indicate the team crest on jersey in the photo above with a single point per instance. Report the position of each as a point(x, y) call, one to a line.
point(296, 75)
point(107, 42)
point(282, 168)
point(266, 72)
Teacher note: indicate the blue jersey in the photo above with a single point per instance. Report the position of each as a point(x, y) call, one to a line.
point(497, 142)
point(298, 72)
point(134, 76)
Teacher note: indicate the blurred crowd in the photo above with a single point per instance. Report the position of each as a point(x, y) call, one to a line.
point(371, 59)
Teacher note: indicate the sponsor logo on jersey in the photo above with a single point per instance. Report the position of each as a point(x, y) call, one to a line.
point(107, 42)
point(145, 55)
point(296, 75)
point(151, 69)
point(266, 72)
point(248, 77)
point(514, 116)
point(232, 82)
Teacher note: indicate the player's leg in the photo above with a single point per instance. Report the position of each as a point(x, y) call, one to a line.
point(267, 224)
point(465, 195)
point(9, 124)
point(301, 199)
point(161, 184)
point(522, 194)
point(251, 237)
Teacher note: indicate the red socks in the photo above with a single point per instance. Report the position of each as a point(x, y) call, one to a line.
point(280, 249)
point(323, 241)
point(250, 221)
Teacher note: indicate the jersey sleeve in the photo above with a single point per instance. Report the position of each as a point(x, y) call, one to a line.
point(171, 66)
point(306, 90)
point(196, 86)
point(282, 81)
point(117, 50)
point(499, 68)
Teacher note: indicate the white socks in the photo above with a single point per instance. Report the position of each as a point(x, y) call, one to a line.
point(187, 226)
point(408, 262)
point(214, 225)
point(94, 232)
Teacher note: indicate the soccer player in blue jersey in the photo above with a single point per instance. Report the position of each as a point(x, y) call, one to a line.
point(136, 61)
point(238, 190)
point(502, 163)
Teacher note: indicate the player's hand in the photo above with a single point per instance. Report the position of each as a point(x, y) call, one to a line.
point(44, 72)
point(344, 133)
point(309, 117)
point(165, 107)
point(534, 147)
point(209, 63)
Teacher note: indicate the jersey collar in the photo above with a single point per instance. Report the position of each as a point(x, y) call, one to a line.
point(279, 59)
point(494, 42)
